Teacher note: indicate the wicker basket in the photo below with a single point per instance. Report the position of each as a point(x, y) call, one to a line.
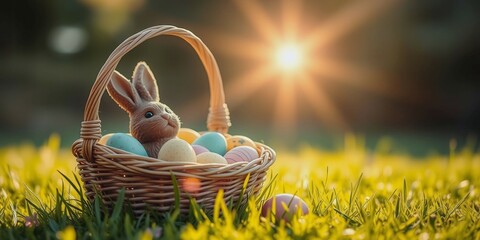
point(148, 182)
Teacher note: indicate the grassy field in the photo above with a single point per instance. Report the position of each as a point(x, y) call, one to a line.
point(352, 194)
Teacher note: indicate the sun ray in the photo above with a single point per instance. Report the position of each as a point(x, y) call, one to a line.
point(285, 110)
point(291, 11)
point(321, 103)
point(331, 68)
point(370, 80)
point(245, 85)
point(259, 19)
point(236, 91)
point(344, 22)
point(241, 47)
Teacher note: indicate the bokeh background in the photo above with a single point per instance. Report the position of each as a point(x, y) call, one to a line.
point(406, 79)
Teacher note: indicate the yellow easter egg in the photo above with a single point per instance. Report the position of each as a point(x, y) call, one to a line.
point(188, 134)
point(211, 157)
point(238, 140)
point(105, 138)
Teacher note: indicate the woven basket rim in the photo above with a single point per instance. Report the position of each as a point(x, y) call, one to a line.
point(118, 159)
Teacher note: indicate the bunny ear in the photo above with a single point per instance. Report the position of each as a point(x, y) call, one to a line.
point(121, 90)
point(145, 83)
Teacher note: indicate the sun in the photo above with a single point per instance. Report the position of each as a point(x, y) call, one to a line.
point(288, 57)
point(288, 51)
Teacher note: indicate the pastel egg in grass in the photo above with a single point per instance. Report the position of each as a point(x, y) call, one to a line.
point(241, 154)
point(286, 207)
point(188, 134)
point(177, 150)
point(127, 143)
point(213, 141)
point(211, 157)
point(238, 140)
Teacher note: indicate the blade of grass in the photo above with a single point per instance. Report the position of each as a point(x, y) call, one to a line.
point(353, 193)
point(176, 191)
point(119, 205)
point(459, 203)
point(97, 210)
point(244, 188)
point(398, 206)
point(216, 207)
point(346, 217)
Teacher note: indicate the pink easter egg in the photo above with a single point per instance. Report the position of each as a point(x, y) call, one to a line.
point(241, 154)
point(199, 149)
point(286, 206)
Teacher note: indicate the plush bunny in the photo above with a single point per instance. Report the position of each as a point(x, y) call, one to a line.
point(151, 122)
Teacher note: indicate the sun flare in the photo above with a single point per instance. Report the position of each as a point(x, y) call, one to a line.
point(289, 57)
point(288, 52)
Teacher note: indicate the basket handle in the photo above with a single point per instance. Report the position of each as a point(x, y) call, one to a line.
point(218, 115)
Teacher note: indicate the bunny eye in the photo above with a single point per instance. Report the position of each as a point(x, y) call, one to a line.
point(148, 114)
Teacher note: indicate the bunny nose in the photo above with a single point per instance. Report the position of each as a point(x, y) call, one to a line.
point(166, 116)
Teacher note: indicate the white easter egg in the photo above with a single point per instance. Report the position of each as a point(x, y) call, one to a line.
point(210, 157)
point(177, 150)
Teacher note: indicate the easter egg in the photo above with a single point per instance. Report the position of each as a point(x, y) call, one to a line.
point(177, 150)
point(213, 141)
point(127, 143)
point(241, 154)
point(103, 140)
point(199, 149)
point(188, 134)
point(293, 205)
point(210, 157)
point(238, 140)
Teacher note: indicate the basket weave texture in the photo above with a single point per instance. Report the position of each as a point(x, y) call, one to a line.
point(148, 183)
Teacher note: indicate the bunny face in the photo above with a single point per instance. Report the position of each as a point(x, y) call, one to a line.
point(151, 122)
point(154, 122)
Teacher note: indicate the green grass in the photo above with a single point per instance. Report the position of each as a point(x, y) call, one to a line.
point(352, 194)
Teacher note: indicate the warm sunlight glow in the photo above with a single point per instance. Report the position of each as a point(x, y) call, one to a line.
point(303, 56)
point(289, 57)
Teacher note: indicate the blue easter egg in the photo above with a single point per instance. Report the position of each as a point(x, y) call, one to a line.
point(213, 141)
point(127, 143)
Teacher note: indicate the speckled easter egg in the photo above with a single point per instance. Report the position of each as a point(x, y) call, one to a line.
point(199, 149)
point(127, 143)
point(103, 140)
point(211, 157)
point(241, 154)
point(238, 140)
point(177, 150)
point(293, 203)
point(213, 141)
point(188, 134)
